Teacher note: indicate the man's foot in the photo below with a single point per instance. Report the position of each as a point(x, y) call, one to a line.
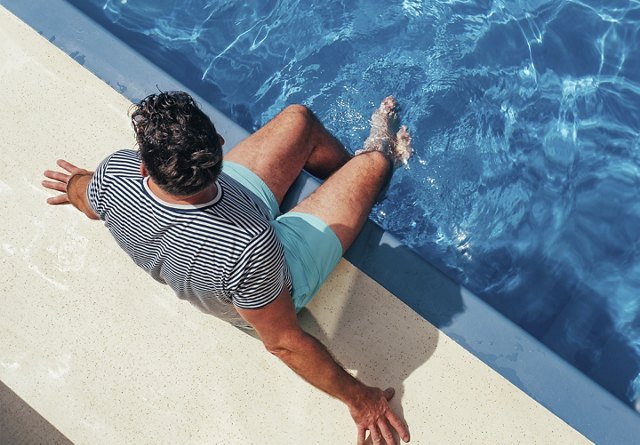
point(384, 125)
point(403, 149)
point(385, 135)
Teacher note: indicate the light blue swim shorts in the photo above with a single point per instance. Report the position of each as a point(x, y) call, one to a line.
point(311, 249)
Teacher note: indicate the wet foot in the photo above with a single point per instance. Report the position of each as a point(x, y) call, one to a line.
point(403, 149)
point(385, 136)
point(384, 124)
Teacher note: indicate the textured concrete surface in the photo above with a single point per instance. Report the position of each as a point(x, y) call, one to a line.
point(21, 424)
point(103, 354)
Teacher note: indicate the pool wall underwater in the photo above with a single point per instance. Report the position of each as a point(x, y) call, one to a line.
point(471, 322)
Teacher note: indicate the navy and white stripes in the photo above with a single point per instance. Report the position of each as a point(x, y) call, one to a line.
point(215, 255)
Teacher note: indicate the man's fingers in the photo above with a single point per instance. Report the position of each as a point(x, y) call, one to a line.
point(399, 426)
point(62, 177)
point(68, 166)
point(381, 420)
point(386, 432)
point(362, 433)
point(55, 185)
point(57, 200)
point(375, 434)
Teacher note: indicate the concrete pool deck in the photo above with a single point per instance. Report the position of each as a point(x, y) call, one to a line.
point(93, 350)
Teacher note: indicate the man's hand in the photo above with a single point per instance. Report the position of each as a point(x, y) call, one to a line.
point(72, 187)
point(372, 412)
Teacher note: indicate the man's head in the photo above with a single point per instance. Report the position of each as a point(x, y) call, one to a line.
point(179, 145)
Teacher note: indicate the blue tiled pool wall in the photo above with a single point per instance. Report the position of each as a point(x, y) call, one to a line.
point(441, 301)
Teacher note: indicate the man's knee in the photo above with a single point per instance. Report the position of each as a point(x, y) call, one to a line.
point(299, 111)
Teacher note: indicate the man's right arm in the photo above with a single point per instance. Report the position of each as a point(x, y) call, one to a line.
point(278, 328)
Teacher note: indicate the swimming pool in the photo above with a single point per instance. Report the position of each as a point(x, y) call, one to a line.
point(527, 167)
point(345, 115)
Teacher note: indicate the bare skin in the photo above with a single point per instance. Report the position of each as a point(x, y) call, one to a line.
point(403, 150)
point(293, 140)
point(277, 153)
point(387, 135)
point(384, 124)
point(72, 186)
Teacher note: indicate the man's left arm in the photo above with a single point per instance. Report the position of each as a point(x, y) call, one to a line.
point(72, 187)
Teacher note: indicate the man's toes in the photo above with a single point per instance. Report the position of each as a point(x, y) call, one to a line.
point(403, 149)
point(389, 103)
point(403, 135)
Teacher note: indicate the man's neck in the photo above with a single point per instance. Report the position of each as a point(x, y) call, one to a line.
point(201, 197)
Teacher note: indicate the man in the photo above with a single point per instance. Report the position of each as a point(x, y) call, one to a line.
point(212, 229)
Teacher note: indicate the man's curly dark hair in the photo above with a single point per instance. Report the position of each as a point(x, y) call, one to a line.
point(178, 143)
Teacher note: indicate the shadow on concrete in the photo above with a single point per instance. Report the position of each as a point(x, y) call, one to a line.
point(372, 333)
point(394, 266)
point(21, 424)
point(383, 345)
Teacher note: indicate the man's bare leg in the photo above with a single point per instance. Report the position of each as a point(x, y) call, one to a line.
point(293, 140)
point(344, 201)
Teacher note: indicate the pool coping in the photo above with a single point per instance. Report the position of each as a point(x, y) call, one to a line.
point(488, 335)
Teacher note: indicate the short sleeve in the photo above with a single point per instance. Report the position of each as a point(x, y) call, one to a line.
point(259, 275)
point(96, 190)
point(121, 164)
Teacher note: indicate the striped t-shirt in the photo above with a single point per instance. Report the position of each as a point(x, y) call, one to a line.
point(215, 255)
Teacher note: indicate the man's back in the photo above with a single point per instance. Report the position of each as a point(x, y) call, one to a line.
point(215, 254)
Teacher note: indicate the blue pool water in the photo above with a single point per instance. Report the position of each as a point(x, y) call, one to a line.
point(526, 124)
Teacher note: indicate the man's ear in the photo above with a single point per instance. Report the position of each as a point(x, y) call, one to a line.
point(143, 170)
point(221, 139)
